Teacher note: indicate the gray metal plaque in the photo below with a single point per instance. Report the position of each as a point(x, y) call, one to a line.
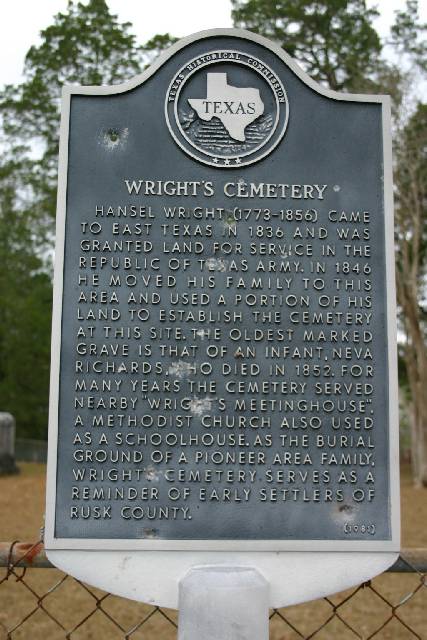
point(223, 371)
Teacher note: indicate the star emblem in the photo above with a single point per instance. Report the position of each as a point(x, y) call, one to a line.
point(238, 160)
point(226, 161)
point(216, 160)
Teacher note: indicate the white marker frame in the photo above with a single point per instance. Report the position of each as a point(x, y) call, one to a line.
point(223, 549)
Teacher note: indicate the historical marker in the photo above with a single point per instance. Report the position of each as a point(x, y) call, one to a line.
point(224, 372)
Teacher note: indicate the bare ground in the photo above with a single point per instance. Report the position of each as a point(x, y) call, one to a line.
point(21, 516)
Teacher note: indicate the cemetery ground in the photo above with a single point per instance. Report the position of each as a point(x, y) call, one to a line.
point(22, 507)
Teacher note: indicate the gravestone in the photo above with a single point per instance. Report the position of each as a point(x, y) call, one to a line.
point(224, 367)
point(7, 444)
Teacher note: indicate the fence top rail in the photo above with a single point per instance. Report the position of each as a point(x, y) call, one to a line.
point(32, 554)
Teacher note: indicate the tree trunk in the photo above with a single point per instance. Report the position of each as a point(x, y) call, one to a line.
point(420, 435)
point(416, 363)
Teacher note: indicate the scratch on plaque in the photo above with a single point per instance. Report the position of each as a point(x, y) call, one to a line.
point(181, 369)
point(200, 406)
point(203, 333)
point(230, 221)
point(124, 562)
point(344, 511)
point(151, 474)
point(114, 138)
point(216, 264)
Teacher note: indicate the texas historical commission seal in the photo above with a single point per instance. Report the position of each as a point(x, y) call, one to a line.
point(226, 108)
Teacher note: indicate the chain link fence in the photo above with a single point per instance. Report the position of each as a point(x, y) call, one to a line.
point(39, 602)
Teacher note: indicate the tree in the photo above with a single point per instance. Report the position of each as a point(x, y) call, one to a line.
point(332, 39)
point(408, 35)
point(157, 44)
point(336, 44)
point(26, 295)
point(411, 267)
point(85, 45)
point(410, 177)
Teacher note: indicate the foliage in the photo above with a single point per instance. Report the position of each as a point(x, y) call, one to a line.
point(336, 43)
point(155, 46)
point(411, 271)
point(85, 45)
point(332, 39)
point(409, 35)
point(25, 292)
point(159, 43)
point(411, 180)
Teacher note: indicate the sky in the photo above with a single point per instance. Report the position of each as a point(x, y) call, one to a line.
point(22, 20)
